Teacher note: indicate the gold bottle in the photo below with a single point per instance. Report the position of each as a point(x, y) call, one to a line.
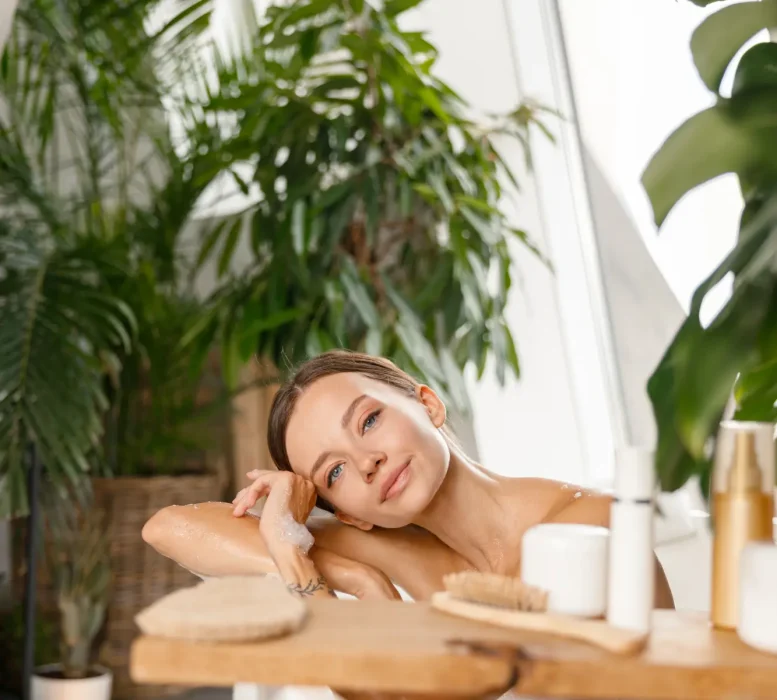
point(742, 507)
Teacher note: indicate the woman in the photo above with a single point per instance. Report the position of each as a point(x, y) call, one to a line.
point(370, 443)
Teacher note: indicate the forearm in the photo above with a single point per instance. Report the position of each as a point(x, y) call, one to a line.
point(414, 559)
point(208, 540)
point(300, 574)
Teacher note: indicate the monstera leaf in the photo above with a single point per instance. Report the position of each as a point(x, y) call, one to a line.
point(735, 355)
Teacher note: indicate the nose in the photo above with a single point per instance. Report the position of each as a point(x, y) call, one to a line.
point(371, 464)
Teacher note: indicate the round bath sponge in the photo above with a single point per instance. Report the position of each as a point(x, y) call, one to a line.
point(230, 609)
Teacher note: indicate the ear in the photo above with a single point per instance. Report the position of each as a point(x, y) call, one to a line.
point(432, 403)
point(355, 522)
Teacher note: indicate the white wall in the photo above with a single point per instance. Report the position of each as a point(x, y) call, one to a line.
point(556, 421)
point(620, 288)
point(635, 82)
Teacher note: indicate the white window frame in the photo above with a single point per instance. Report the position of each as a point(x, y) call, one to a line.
point(542, 72)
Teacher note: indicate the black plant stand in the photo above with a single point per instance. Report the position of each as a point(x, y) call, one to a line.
point(30, 586)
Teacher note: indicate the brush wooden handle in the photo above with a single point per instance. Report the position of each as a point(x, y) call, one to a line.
point(597, 632)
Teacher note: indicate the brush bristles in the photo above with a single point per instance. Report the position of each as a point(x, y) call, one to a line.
point(494, 589)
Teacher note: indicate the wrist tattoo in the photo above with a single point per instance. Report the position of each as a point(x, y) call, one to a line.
point(311, 587)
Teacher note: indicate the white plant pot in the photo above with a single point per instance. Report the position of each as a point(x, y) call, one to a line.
point(96, 687)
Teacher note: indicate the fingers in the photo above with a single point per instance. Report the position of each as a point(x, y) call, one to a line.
point(265, 480)
point(247, 497)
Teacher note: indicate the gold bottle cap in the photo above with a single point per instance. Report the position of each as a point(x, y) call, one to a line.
point(744, 458)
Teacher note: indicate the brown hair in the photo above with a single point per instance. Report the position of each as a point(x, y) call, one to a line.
point(325, 365)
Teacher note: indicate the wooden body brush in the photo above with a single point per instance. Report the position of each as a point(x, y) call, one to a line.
point(508, 602)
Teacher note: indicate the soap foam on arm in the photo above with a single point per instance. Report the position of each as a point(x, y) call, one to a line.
point(292, 532)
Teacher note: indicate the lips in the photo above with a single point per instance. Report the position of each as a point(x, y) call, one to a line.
point(394, 482)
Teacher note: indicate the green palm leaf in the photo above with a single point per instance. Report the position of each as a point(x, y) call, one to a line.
point(57, 328)
point(94, 196)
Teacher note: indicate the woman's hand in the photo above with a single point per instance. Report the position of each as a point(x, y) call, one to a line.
point(290, 499)
point(299, 494)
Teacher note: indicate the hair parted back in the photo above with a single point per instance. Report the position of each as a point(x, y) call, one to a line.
point(325, 365)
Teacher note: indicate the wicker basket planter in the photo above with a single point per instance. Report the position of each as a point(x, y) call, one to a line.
point(140, 575)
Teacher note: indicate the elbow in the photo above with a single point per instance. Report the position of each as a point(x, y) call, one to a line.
point(158, 526)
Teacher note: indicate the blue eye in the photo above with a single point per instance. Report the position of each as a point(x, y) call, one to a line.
point(333, 475)
point(370, 422)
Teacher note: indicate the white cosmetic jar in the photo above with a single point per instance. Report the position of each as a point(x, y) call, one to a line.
point(569, 561)
point(757, 624)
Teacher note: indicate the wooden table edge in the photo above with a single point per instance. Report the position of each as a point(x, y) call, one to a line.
point(717, 664)
point(481, 671)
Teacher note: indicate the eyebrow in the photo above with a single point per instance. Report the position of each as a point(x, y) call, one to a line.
point(351, 409)
point(344, 422)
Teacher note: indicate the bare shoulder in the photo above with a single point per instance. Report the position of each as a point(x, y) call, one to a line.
point(550, 500)
point(590, 507)
point(580, 505)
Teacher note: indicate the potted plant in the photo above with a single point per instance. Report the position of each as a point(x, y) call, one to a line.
point(94, 294)
point(96, 198)
point(391, 239)
point(164, 444)
point(12, 624)
point(733, 357)
point(78, 562)
point(373, 200)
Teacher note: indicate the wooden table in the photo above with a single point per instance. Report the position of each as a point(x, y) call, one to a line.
point(410, 648)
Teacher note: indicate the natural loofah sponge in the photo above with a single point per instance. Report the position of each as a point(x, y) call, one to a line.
point(231, 609)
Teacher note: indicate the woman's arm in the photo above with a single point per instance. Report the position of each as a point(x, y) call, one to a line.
point(414, 559)
point(209, 541)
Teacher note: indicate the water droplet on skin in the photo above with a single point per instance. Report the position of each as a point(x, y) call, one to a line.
point(578, 494)
point(196, 507)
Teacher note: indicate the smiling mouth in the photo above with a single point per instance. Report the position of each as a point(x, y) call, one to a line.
point(395, 482)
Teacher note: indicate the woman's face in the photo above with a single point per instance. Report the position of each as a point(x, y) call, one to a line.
point(375, 453)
